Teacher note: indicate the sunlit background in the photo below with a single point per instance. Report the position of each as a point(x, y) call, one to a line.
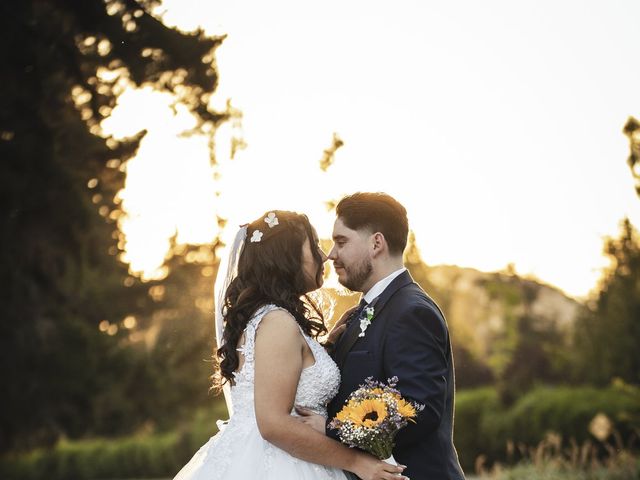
point(498, 125)
point(501, 125)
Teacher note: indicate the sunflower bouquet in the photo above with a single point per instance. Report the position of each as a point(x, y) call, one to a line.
point(373, 415)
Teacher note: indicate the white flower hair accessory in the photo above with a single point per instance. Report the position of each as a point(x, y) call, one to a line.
point(256, 236)
point(271, 219)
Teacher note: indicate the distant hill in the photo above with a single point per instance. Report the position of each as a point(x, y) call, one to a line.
point(491, 315)
point(479, 305)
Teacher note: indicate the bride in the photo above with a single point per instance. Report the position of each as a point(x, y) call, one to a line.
point(271, 362)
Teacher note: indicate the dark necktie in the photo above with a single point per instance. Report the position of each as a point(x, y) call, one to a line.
point(357, 312)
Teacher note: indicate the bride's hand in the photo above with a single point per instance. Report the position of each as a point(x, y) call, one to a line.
point(339, 327)
point(315, 421)
point(368, 467)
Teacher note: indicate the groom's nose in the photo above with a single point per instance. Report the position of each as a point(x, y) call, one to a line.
point(332, 254)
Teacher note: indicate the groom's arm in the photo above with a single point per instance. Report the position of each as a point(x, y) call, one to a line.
point(415, 352)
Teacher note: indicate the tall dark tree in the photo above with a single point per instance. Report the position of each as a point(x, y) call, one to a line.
point(59, 248)
point(608, 335)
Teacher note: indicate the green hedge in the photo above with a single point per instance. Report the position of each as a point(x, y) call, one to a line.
point(483, 426)
point(474, 409)
point(126, 458)
point(145, 456)
point(628, 471)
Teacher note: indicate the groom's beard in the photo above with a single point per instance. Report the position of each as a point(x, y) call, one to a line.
point(357, 275)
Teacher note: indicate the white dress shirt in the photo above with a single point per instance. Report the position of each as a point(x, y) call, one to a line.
point(379, 287)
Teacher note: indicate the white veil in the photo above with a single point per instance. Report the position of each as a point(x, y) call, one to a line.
point(227, 271)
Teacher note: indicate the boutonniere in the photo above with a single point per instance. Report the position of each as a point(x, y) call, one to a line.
point(365, 321)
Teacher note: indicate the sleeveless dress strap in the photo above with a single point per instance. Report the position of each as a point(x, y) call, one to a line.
point(248, 347)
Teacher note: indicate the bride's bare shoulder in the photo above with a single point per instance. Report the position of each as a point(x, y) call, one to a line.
point(280, 320)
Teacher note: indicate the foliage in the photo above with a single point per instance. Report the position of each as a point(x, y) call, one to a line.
point(142, 456)
point(608, 335)
point(183, 337)
point(64, 65)
point(329, 154)
point(549, 427)
point(488, 430)
point(621, 467)
point(632, 131)
point(474, 409)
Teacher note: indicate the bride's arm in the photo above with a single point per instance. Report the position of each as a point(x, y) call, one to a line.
point(278, 365)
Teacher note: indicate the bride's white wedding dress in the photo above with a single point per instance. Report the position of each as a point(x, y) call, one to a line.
point(238, 451)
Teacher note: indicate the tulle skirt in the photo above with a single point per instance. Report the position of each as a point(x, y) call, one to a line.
point(239, 452)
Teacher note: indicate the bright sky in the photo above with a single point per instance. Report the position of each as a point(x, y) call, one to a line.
point(497, 124)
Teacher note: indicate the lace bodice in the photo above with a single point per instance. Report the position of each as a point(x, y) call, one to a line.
point(238, 450)
point(318, 383)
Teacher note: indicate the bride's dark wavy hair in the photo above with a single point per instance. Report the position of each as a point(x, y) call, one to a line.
point(269, 272)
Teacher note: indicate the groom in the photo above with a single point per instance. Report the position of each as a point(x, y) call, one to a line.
point(407, 337)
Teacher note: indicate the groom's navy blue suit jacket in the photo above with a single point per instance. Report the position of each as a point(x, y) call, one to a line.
point(408, 338)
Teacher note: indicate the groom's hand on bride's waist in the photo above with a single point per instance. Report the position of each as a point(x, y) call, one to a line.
point(315, 421)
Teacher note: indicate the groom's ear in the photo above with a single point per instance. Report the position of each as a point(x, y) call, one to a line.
point(379, 243)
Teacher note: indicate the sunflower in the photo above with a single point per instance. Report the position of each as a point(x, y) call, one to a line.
point(406, 409)
point(346, 414)
point(369, 413)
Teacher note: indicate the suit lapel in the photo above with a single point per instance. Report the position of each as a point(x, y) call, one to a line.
point(345, 342)
point(351, 335)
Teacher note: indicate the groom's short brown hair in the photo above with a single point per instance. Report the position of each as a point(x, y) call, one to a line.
point(378, 212)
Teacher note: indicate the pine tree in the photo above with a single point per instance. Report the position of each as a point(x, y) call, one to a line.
point(59, 255)
point(607, 337)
